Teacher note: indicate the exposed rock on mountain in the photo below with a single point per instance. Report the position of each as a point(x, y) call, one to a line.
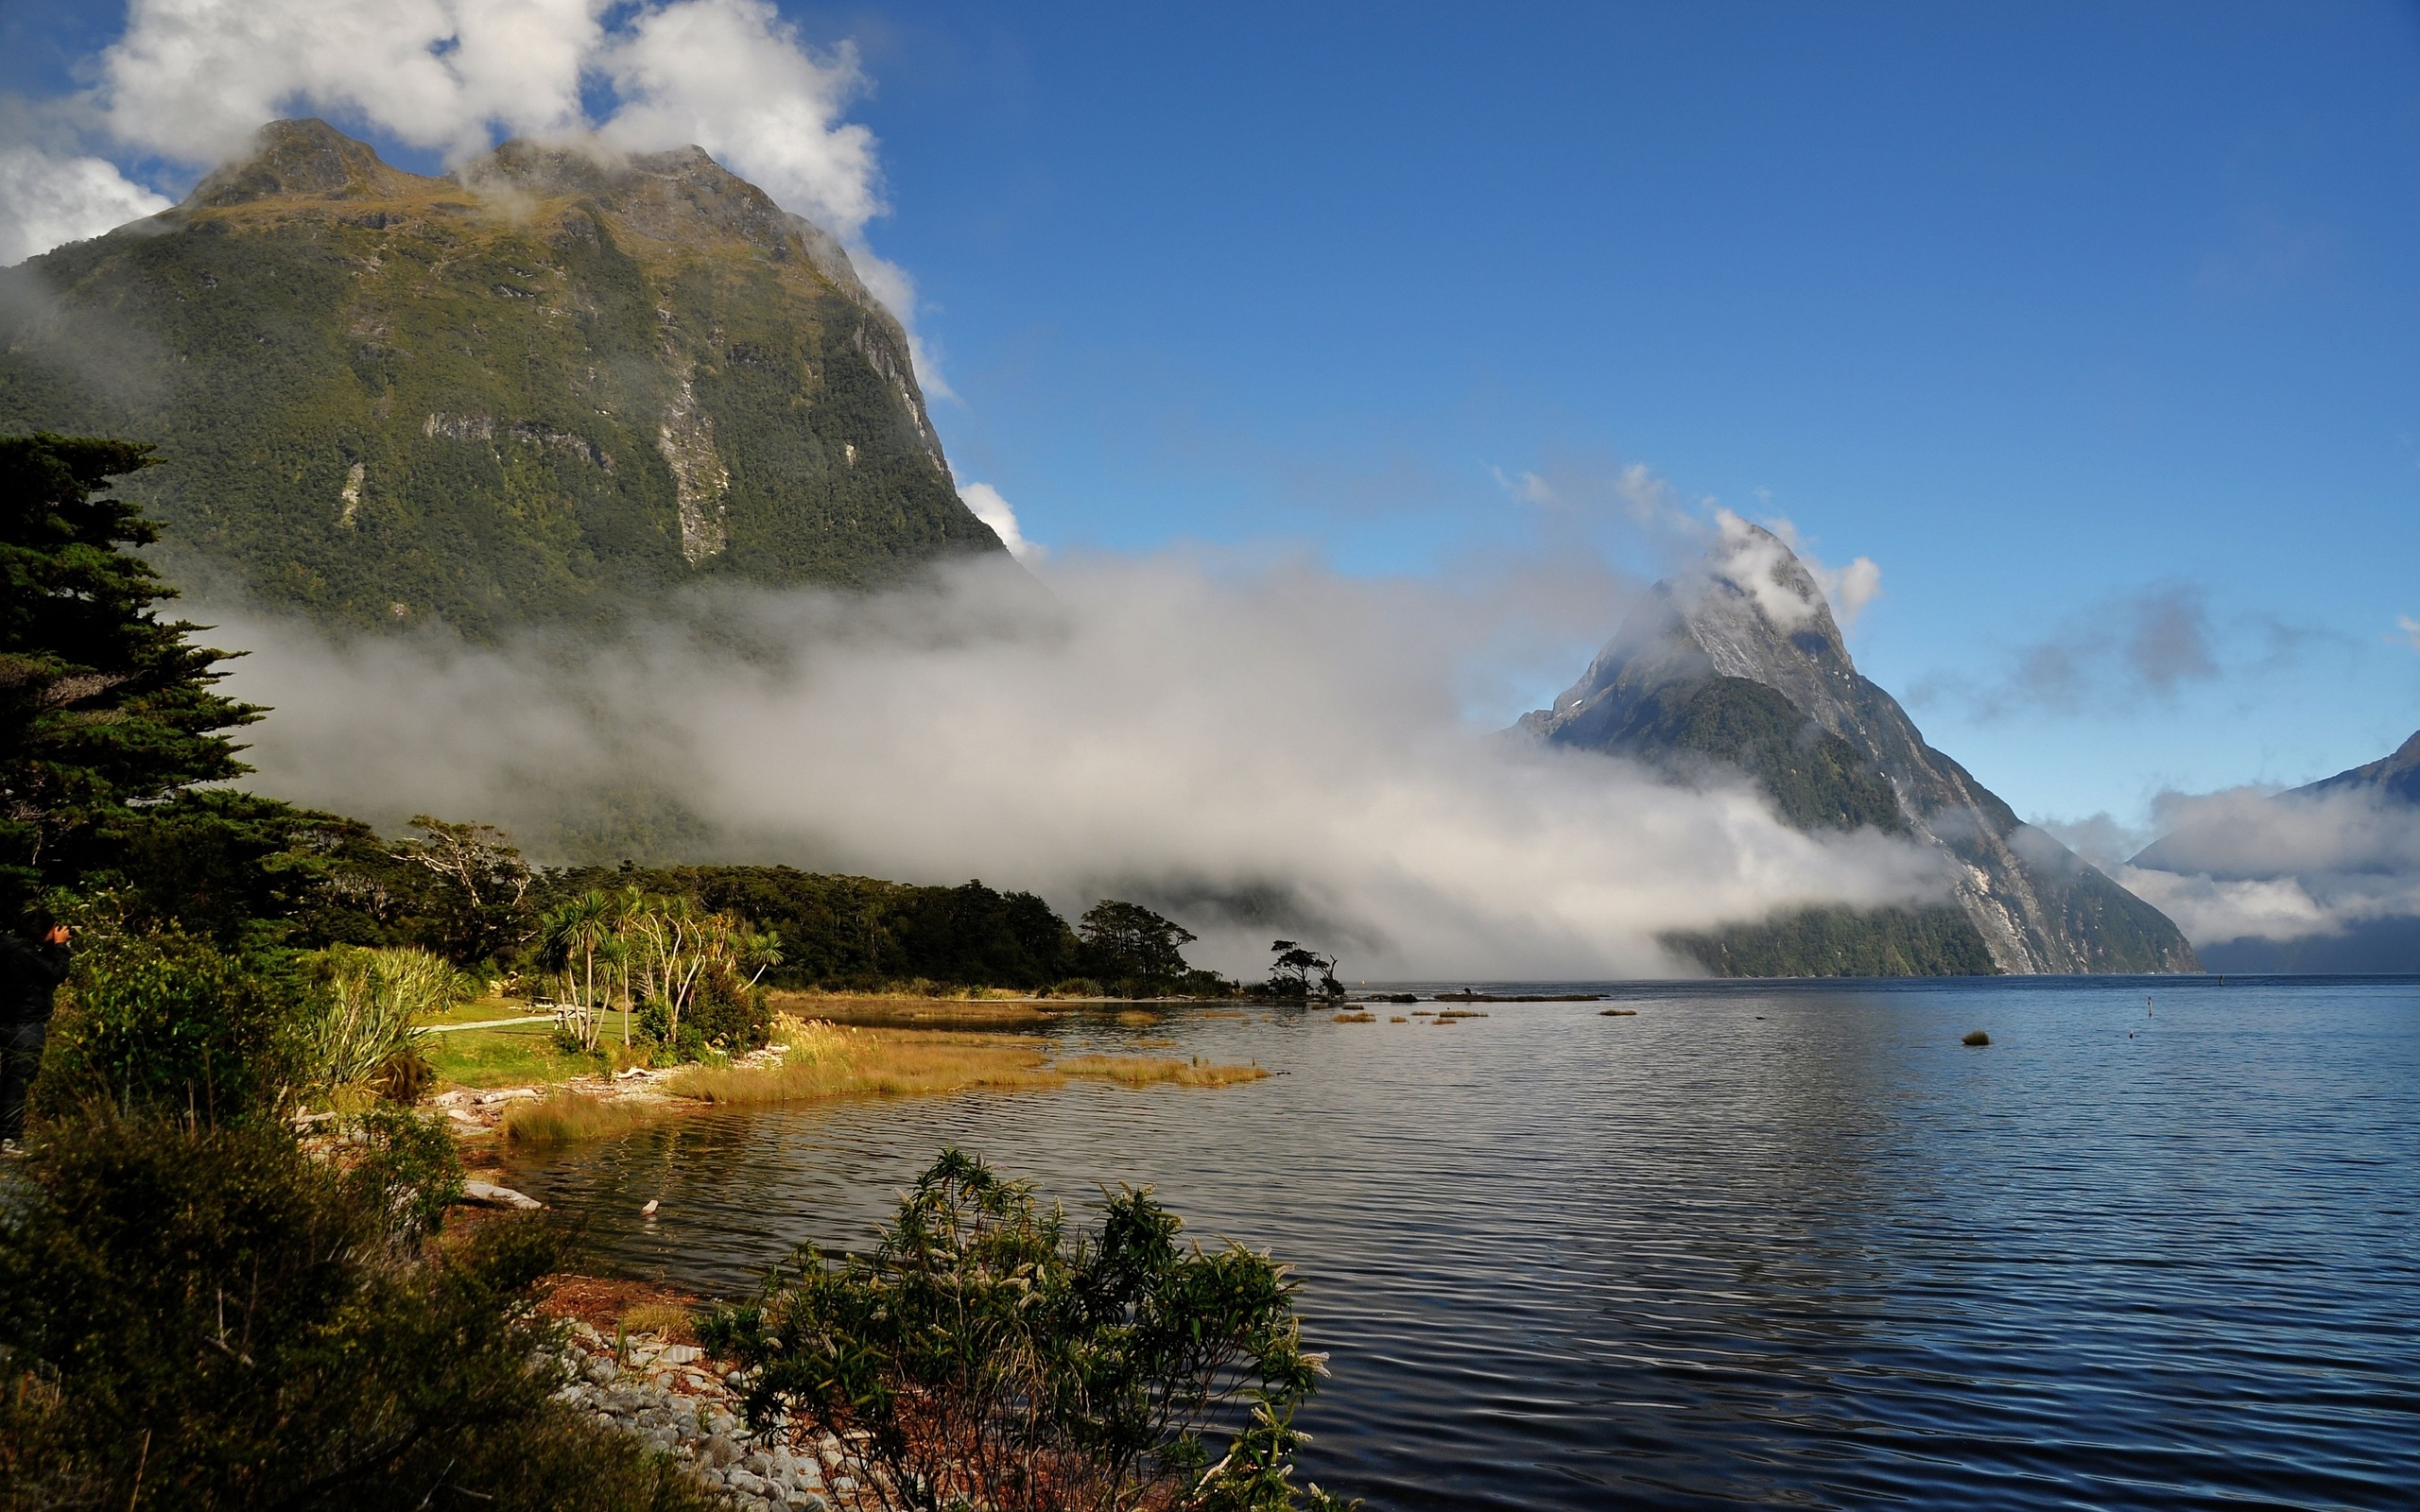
point(551, 385)
point(1743, 667)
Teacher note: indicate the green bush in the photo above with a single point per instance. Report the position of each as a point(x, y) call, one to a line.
point(727, 1012)
point(992, 1359)
point(166, 1022)
point(208, 1318)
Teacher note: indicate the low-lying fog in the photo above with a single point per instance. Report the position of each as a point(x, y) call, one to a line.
point(1255, 751)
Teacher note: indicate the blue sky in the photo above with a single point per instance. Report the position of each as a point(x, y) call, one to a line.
point(2098, 327)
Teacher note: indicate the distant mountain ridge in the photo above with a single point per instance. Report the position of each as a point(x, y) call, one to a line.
point(1743, 667)
point(2395, 776)
point(552, 385)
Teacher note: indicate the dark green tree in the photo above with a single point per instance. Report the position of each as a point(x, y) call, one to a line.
point(1127, 943)
point(105, 707)
point(1300, 974)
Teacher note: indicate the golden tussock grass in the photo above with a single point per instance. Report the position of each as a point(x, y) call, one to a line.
point(676, 1324)
point(827, 1061)
point(830, 1060)
point(565, 1117)
point(1144, 1071)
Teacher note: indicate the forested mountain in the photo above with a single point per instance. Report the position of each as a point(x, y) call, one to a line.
point(548, 386)
point(1704, 677)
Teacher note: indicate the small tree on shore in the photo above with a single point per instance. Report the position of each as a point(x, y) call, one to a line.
point(985, 1356)
point(1299, 974)
point(573, 935)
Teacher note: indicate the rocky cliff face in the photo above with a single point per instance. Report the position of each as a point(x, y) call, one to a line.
point(1688, 677)
point(551, 385)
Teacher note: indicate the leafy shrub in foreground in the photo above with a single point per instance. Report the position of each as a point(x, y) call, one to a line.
point(994, 1359)
point(207, 1318)
point(166, 1022)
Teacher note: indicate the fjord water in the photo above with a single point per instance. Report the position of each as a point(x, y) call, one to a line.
point(1758, 1245)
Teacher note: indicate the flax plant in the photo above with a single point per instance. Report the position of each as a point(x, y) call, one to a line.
point(362, 1007)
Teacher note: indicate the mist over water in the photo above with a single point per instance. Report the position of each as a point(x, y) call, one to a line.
point(1275, 747)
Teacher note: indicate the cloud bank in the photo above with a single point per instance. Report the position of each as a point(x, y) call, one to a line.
point(2247, 863)
point(1254, 752)
point(189, 81)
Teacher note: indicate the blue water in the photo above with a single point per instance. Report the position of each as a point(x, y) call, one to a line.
point(1760, 1244)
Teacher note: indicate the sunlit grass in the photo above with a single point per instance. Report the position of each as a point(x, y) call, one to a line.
point(827, 1061)
point(833, 1061)
point(568, 1117)
point(1144, 1071)
point(522, 1056)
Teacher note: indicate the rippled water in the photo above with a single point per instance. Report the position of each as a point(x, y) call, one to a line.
point(1782, 1245)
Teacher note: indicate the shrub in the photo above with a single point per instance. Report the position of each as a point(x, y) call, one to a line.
point(166, 1022)
point(361, 1007)
point(992, 1359)
point(729, 1012)
point(208, 1318)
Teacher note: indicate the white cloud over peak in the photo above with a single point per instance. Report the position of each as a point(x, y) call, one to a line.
point(192, 80)
point(1850, 588)
point(732, 78)
point(2411, 629)
point(189, 81)
point(47, 200)
point(995, 511)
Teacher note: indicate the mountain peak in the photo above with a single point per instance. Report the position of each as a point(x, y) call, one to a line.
point(1738, 662)
point(558, 383)
point(304, 159)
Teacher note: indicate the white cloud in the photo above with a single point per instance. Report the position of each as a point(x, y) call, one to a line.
point(732, 78)
point(1148, 729)
point(1850, 589)
point(191, 81)
point(2411, 629)
point(2244, 863)
point(995, 511)
point(47, 200)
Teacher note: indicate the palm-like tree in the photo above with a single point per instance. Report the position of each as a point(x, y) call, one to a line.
point(582, 929)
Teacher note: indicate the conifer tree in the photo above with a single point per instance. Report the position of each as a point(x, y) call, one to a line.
point(105, 707)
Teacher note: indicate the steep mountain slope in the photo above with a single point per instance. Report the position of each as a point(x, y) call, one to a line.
point(538, 390)
point(2394, 777)
point(1742, 666)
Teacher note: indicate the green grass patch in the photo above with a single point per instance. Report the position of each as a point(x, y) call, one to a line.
point(504, 1058)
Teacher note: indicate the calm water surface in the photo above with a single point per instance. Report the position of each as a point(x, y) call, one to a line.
point(1774, 1246)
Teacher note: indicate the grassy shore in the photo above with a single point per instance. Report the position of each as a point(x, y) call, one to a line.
point(825, 1061)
